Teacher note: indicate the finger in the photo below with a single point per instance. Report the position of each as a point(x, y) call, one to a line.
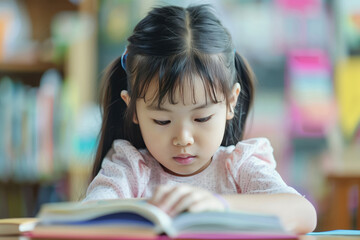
point(206, 204)
point(184, 203)
point(170, 199)
point(159, 193)
point(199, 206)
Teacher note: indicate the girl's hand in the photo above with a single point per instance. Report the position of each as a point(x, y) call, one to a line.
point(176, 199)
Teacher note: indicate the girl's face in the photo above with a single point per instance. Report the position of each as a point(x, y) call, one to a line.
point(183, 137)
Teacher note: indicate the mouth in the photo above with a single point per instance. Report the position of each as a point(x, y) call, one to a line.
point(184, 159)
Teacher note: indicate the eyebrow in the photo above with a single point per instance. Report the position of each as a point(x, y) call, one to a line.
point(159, 108)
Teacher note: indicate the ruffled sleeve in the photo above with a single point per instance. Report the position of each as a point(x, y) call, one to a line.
point(123, 174)
point(252, 166)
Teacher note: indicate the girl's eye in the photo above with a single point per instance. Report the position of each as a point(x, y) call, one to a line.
point(161, 122)
point(205, 119)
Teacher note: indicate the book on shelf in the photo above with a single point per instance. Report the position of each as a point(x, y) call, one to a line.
point(137, 219)
point(30, 127)
point(16, 226)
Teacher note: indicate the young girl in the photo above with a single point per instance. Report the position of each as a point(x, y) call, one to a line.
point(174, 109)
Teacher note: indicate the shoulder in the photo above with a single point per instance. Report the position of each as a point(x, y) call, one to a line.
point(122, 149)
point(125, 154)
point(258, 149)
point(252, 165)
point(124, 173)
point(121, 145)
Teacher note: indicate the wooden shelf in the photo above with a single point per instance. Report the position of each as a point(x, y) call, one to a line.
point(41, 14)
point(27, 73)
point(27, 67)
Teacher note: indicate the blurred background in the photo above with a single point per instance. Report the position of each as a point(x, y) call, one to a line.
point(305, 54)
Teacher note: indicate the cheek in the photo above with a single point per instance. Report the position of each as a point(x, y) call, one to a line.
point(213, 132)
point(219, 128)
point(155, 142)
point(152, 135)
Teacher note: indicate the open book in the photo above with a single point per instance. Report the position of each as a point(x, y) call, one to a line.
point(130, 218)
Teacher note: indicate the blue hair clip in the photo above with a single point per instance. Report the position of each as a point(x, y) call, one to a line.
point(123, 58)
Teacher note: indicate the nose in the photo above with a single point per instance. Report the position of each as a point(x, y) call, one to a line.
point(183, 137)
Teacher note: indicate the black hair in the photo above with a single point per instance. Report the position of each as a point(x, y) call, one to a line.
point(172, 45)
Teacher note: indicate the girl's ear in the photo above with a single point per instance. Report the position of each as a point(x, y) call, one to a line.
point(235, 91)
point(126, 98)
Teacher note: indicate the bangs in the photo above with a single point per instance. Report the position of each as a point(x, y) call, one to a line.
point(178, 73)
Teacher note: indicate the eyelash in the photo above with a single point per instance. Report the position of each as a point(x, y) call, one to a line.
point(200, 120)
point(161, 123)
point(205, 119)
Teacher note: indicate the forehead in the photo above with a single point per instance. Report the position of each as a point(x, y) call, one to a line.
point(188, 92)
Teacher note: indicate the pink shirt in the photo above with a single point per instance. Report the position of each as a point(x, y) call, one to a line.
point(248, 168)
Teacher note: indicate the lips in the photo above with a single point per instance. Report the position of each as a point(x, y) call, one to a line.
point(184, 159)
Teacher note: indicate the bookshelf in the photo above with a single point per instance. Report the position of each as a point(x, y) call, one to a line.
point(28, 73)
point(28, 66)
point(27, 177)
point(23, 198)
point(40, 67)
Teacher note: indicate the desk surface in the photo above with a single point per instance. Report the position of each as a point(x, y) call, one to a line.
point(306, 237)
point(328, 237)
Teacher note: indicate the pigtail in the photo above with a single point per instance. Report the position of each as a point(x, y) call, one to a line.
point(113, 110)
point(245, 77)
